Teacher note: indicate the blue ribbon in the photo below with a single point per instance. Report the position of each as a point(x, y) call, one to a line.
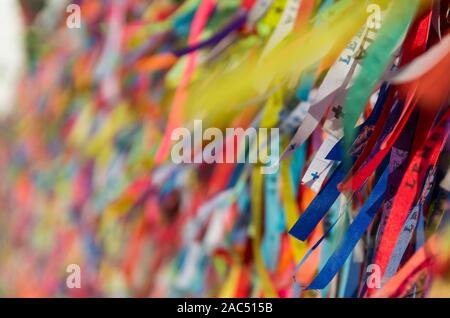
point(329, 193)
point(354, 234)
point(318, 207)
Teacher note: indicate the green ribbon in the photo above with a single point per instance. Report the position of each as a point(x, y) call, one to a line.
point(379, 55)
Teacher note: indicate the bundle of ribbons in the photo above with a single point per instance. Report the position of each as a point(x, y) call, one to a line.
point(356, 207)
